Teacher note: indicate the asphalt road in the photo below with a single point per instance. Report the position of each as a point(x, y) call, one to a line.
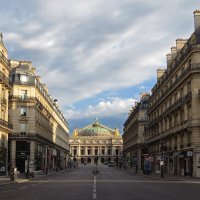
point(111, 183)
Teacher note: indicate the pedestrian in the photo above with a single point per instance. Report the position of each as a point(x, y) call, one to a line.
point(125, 166)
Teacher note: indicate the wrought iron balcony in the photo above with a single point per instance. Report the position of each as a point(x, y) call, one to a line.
point(21, 98)
point(4, 79)
point(29, 83)
point(191, 68)
point(3, 101)
point(4, 59)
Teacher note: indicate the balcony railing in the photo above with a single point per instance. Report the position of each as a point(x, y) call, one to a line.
point(5, 124)
point(191, 68)
point(29, 83)
point(5, 79)
point(3, 101)
point(179, 127)
point(21, 98)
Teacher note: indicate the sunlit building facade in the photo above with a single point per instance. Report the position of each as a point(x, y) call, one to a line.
point(40, 138)
point(5, 87)
point(135, 133)
point(174, 109)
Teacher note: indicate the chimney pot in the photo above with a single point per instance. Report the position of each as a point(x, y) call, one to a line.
point(196, 19)
point(160, 72)
point(169, 59)
point(173, 52)
point(180, 43)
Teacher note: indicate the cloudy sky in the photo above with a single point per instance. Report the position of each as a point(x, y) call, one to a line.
point(95, 56)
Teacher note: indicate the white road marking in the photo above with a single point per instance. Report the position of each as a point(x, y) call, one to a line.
point(7, 191)
point(21, 188)
point(94, 195)
point(94, 188)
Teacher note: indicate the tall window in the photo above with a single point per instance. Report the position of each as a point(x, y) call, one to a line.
point(189, 113)
point(23, 94)
point(103, 151)
point(23, 78)
point(23, 111)
point(89, 151)
point(96, 151)
point(182, 93)
point(23, 128)
point(109, 151)
point(189, 87)
point(82, 151)
point(75, 152)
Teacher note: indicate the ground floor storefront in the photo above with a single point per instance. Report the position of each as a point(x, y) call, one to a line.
point(175, 163)
point(34, 154)
point(3, 161)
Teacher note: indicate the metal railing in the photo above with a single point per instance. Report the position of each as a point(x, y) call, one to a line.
point(5, 79)
point(3, 101)
point(22, 98)
point(2, 57)
point(191, 68)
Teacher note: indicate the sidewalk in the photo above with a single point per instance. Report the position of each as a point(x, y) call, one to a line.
point(157, 176)
point(5, 180)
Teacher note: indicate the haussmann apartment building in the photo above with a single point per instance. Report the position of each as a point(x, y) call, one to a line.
point(174, 109)
point(40, 137)
point(135, 134)
point(5, 87)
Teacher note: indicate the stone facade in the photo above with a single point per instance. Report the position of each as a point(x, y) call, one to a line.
point(40, 137)
point(174, 109)
point(135, 133)
point(96, 143)
point(5, 87)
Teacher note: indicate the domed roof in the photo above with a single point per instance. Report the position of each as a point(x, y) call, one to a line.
point(95, 129)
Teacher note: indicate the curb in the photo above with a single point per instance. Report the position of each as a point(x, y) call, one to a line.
point(19, 180)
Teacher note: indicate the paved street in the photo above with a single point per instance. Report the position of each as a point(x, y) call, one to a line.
point(111, 183)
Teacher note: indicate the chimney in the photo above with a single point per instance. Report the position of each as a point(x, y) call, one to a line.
point(169, 59)
point(45, 87)
point(196, 19)
point(33, 69)
point(173, 52)
point(38, 78)
point(160, 72)
point(180, 43)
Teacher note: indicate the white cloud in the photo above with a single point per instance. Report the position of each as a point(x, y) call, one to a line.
point(83, 48)
point(113, 107)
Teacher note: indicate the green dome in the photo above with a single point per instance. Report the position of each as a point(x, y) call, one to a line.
point(95, 129)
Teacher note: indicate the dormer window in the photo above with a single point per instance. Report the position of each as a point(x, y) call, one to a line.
point(23, 78)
